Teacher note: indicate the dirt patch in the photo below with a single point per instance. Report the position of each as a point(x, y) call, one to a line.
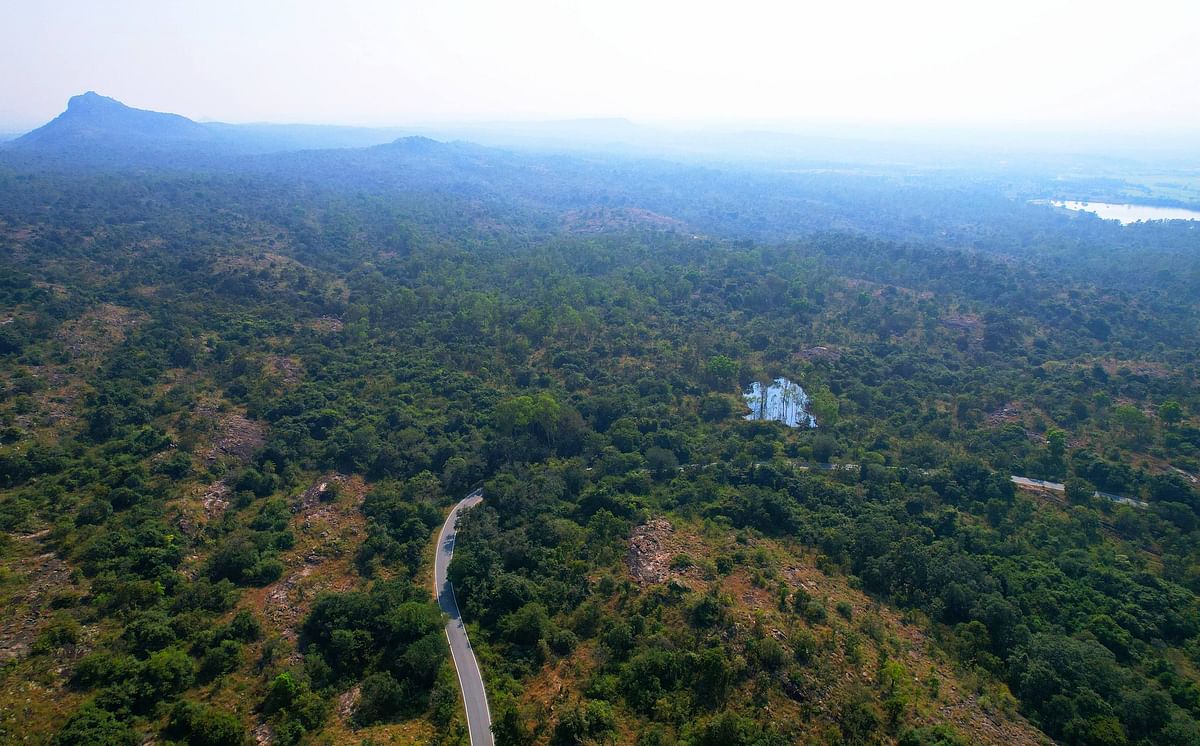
point(965, 321)
point(329, 528)
point(98, 330)
point(287, 369)
point(657, 554)
point(1014, 411)
point(820, 352)
point(599, 219)
point(236, 437)
point(40, 578)
point(325, 324)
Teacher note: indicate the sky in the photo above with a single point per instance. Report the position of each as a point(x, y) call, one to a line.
point(997, 64)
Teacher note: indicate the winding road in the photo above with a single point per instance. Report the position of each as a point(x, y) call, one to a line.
point(470, 681)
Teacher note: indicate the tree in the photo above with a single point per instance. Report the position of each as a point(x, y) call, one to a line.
point(1133, 424)
point(201, 725)
point(721, 371)
point(822, 449)
point(1079, 491)
point(167, 673)
point(715, 407)
point(381, 699)
point(662, 463)
point(1170, 412)
point(823, 405)
point(1056, 443)
point(93, 726)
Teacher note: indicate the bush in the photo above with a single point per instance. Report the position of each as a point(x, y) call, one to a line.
point(62, 630)
point(167, 673)
point(93, 726)
point(382, 697)
point(201, 725)
point(281, 694)
point(563, 641)
point(804, 645)
point(932, 735)
point(149, 632)
point(245, 627)
point(767, 653)
point(591, 722)
point(221, 659)
point(103, 668)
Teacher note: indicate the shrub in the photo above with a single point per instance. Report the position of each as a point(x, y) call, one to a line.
point(62, 630)
point(93, 726)
point(382, 697)
point(167, 673)
point(221, 659)
point(932, 735)
point(201, 725)
point(245, 627)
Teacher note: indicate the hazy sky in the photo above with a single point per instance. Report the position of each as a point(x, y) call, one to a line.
point(1045, 64)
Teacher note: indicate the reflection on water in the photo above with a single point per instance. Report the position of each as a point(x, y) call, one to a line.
point(1129, 213)
point(782, 401)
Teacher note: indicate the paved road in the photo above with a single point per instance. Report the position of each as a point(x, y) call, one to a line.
point(1039, 484)
point(1059, 487)
point(479, 718)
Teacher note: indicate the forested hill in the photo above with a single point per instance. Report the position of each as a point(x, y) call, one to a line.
point(239, 395)
point(996, 210)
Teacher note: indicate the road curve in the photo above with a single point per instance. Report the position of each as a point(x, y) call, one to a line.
point(470, 681)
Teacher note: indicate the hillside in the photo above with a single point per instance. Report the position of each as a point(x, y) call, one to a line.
point(95, 121)
point(238, 400)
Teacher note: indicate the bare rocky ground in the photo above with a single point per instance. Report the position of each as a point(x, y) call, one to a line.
point(657, 554)
point(597, 219)
point(98, 330)
point(326, 324)
point(1013, 411)
point(328, 527)
point(236, 437)
point(819, 352)
point(287, 369)
point(967, 322)
point(37, 578)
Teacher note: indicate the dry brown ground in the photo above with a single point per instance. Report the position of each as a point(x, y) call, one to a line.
point(658, 556)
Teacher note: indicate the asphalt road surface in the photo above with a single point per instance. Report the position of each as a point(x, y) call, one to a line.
point(470, 681)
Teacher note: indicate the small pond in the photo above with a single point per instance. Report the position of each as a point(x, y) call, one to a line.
point(781, 401)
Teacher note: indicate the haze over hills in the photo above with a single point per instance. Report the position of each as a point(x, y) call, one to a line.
point(97, 127)
point(93, 123)
point(622, 169)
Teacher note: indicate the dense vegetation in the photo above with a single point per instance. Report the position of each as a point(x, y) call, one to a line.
point(225, 384)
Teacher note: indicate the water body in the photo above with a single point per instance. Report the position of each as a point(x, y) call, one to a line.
point(1127, 214)
point(782, 401)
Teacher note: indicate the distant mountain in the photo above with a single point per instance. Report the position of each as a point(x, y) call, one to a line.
point(99, 128)
point(92, 120)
